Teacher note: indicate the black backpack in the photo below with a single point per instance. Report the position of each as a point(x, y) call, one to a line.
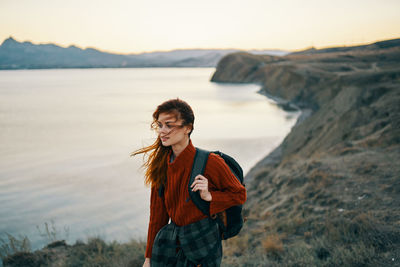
point(230, 220)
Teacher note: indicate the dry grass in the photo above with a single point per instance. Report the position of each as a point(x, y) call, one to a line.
point(13, 245)
point(273, 244)
point(307, 235)
point(95, 252)
point(236, 246)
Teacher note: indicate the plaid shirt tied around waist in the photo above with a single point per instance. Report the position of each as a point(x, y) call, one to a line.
point(190, 245)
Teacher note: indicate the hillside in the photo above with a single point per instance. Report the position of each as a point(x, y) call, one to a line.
point(329, 194)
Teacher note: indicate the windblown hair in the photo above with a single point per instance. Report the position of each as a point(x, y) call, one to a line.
point(156, 163)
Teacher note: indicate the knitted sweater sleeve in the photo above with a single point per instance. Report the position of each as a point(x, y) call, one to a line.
point(225, 189)
point(158, 218)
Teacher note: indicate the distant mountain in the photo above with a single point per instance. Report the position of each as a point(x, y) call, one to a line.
point(16, 55)
point(26, 55)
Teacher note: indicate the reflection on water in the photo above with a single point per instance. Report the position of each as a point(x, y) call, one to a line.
point(66, 136)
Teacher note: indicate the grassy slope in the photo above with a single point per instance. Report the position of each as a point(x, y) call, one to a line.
point(95, 252)
point(329, 194)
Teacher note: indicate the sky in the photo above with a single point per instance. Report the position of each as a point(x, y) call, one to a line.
point(133, 26)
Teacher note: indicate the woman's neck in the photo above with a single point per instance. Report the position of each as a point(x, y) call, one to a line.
point(178, 148)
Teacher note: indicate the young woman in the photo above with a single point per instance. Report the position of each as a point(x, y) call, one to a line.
point(179, 234)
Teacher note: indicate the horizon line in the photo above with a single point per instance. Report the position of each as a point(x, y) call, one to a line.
point(181, 49)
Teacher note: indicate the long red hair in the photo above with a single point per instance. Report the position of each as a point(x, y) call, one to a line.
point(156, 163)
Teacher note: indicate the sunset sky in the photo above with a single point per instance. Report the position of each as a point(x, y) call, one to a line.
point(133, 26)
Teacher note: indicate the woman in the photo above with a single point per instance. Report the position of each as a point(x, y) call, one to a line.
point(191, 238)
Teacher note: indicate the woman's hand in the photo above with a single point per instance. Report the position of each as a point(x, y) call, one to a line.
point(146, 262)
point(201, 183)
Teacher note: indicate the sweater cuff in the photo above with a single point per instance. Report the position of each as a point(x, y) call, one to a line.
point(218, 202)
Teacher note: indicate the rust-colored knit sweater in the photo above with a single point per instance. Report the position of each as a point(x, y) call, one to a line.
point(225, 189)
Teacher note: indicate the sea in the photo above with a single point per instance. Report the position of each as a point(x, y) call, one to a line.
point(66, 136)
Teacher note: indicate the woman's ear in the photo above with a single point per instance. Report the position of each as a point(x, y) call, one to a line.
point(188, 129)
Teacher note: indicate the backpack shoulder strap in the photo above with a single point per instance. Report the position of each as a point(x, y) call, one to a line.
point(199, 164)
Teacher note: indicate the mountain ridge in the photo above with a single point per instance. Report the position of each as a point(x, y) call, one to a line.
point(26, 55)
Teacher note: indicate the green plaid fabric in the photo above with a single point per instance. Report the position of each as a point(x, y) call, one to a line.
point(189, 245)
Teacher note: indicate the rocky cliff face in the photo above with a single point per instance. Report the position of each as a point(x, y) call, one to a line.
point(329, 194)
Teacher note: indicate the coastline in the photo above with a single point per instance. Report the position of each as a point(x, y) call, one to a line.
point(335, 170)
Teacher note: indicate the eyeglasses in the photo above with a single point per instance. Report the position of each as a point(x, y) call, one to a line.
point(158, 126)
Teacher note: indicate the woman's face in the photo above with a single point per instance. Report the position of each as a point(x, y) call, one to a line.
point(171, 130)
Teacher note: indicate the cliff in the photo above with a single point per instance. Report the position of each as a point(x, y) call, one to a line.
point(329, 194)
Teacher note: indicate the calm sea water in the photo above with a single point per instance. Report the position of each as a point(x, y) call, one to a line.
point(66, 136)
